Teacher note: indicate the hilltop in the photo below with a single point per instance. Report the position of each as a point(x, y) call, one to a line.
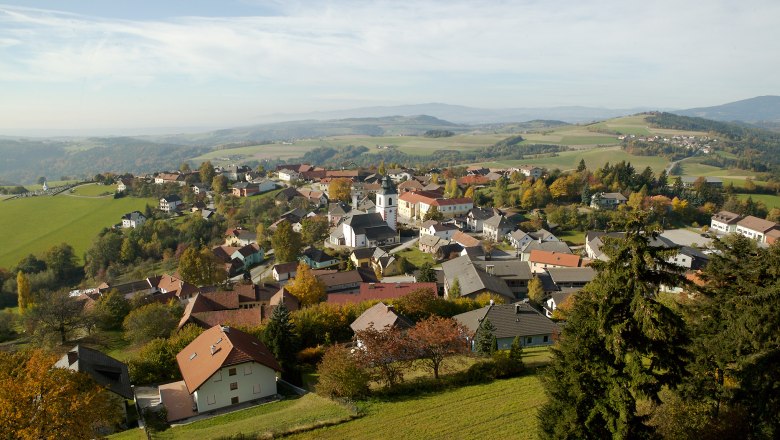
point(761, 111)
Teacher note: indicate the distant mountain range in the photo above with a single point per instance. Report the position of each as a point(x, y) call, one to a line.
point(761, 110)
point(465, 115)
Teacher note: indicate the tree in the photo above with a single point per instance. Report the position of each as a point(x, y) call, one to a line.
point(200, 267)
point(41, 402)
point(151, 321)
point(516, 351)
point(382, 170)
point(111, 309)
point(454, 290)
point(485, 338)
point(314, 230)
point(340, 189)
point(306, 286)
point(219, 184)
point(620, 344)
point(31, 264)
point(341, 375)
point(581, 167)
point(433, 214)
point(559, 188)
point(206, 172)
point(435, 339)
point(55, 313)
point(536, 291)
point(286, 243)
point(469, 193)
point(427, 274)
point(129, 251)
point(260, 234)
point(279, 336)
point(386, 351)
point(61, 259)
point(23, 291)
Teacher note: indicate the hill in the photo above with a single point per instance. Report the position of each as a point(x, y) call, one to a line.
point(759, 110)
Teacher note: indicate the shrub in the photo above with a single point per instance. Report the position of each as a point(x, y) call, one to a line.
point(311, 355)
point(341, 375)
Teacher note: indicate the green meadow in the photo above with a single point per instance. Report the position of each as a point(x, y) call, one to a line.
point(34, 224)
point(594, 158)
point(770, 200)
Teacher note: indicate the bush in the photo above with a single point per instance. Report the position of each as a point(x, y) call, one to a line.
point(341, 375)
point(7, 319)
point(311, 355)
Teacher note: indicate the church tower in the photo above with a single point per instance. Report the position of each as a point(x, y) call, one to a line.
point(387, 202)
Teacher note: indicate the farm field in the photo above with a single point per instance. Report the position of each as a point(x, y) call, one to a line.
point(449, 414)
point(637, 125)
point(92, 190)
point(594, 158)
point(258, 421)
point(694, 168)
point(32, 225)
point(771, 201)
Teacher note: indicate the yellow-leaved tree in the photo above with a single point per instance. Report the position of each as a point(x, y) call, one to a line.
point(306, 286)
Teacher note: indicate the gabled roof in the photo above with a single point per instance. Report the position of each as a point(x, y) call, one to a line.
point(506, 269)
point(726, 217)
point(464, 239)
point(356, 276)
point(248, 250)
point(571, 274)
point(359, 222)
point(473, 279)
point(290, 267)
point(171, 198)
point(498, 221)
point(375, 291)
point(220, 347)
point(554, 258)
point(104, 369)
point(510, 320)
point(318, 255)
point(756, 224)
point(380, 317)
point(362, 253)
point(541, 234)
point(550, 246)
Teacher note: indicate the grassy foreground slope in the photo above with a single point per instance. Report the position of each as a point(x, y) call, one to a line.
point(33, 225)
point(501, 409)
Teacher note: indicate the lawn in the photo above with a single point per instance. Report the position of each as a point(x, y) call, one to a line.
point(93, 190)
point(573, 238)
point(501, 409)
point(692, 167)
point(771, 201)
point(262, 420)
point(594, 158)
point(34, 224)
point(416, 256)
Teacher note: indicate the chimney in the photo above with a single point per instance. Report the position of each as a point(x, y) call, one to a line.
point(225, 329)
point(517, 309)
point(390, 308)
point(492, 302)
point(490, 268)
point(213, 349)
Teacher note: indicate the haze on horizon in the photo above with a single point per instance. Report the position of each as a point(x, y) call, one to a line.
point(126, 64)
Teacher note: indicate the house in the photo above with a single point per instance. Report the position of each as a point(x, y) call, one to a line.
point(435, 228)
point(361, 257)
point(384, 263)
point(176, 287)
point(235, 172)
point(177, 178)
point(123, 184)
point(247, 305)
point(239, 237)
point(381, 317)
point(570, 277)
point(317, 198)
point(415, 204)
point(602, 200)
point(170, 203)
point(318, 259)
point(368, 230)
point(519, 239)
point(543, 235)
point(465, 240)
point(516, 274)
point(225, 366)
point(286, 195)
point(541, 260)
point(531, 171)
point(690, 181)
point(106, 371)
point(496, 227)
point(475, 217)
point(550, 246)
point(773, 236)
point(133, 219)
point(284, 271)
point(510, 321)
point(288, 175)
point(725, 222)
point(430, 243)
point(347, 280)
point(410, 185)
point(245, 189)
point(556, 300)
point(595, 241)
point(337, 211)
point(690, 258)
point(249, 255)
point(379, 291)
point(755, 228)
point(473, 280)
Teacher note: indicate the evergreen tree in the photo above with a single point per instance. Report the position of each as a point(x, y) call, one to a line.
point(485, 339)
point(454, 292)
point(516, 351)
point(620, 344)
point(433, 213)
point(585, 197)
point(581, 167)
point(279, 336)
point(427, 274)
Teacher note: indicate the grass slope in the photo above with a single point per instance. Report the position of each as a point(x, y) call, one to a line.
point(94, 190)
point(771, 201)
point(263, 420)
point(34, 224)
point(594, 158)
point(501, 409)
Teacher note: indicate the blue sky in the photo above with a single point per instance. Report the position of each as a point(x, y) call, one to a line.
point(97, 64)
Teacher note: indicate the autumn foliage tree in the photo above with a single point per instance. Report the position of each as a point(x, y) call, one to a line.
point(386, 352)
point(435, 339)
point(23, 290)
point(340, 189)
point(200, 267)
point(306, 286)
point(286, 243)
point(341, 374)
point(41, 402)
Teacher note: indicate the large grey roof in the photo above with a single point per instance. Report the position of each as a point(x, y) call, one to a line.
point(571, 274)
point(104, 369)
point(498, 221)
point(510, 320)
point(514, 269)
point(551, 246)
point(472, 279)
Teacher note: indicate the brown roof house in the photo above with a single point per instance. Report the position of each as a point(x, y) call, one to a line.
point(381, 317)
point(221, 367)
point(246, 305)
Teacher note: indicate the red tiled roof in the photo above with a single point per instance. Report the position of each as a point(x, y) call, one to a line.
point(465, 239)
point(457, 201)
point(372, 291)
point(554, 258)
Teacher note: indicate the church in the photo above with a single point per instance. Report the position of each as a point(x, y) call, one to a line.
point(378, 228)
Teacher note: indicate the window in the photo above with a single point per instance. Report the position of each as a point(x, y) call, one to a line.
point(233, 386)
point(212, 399)
point(390, 201)
point(232, 372)
point(256, 388)
point(546, 339)
point(529, 340)
point(233, 400)
point(247, 369)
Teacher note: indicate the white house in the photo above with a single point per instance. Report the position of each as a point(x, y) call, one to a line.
point(441, 230)
point(755, 228)
point(725, 222)
point(367, 230)
point(133, 219)
point(169, 203)
point(519, 239)
point(531, 171)
point(602, 200)
point(496, 227)
point(287, 175)
point(224, 366)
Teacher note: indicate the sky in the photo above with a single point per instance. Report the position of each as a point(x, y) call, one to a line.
point(119, 64)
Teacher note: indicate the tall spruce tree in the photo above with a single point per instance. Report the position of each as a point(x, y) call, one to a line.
point(485, 339)
point(279, 336)
point(619, 345)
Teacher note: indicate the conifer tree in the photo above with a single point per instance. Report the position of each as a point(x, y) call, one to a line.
point(454, 292)
point(619, 345)
point(279, 336)
point(485, 339)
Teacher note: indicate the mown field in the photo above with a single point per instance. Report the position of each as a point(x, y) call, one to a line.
point(771, 201)
point(263, 420)
point(594, 158)
point(93, 190)
point(501, 409)
point(32, 225)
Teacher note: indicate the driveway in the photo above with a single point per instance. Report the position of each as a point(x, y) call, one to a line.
point(686, 237)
